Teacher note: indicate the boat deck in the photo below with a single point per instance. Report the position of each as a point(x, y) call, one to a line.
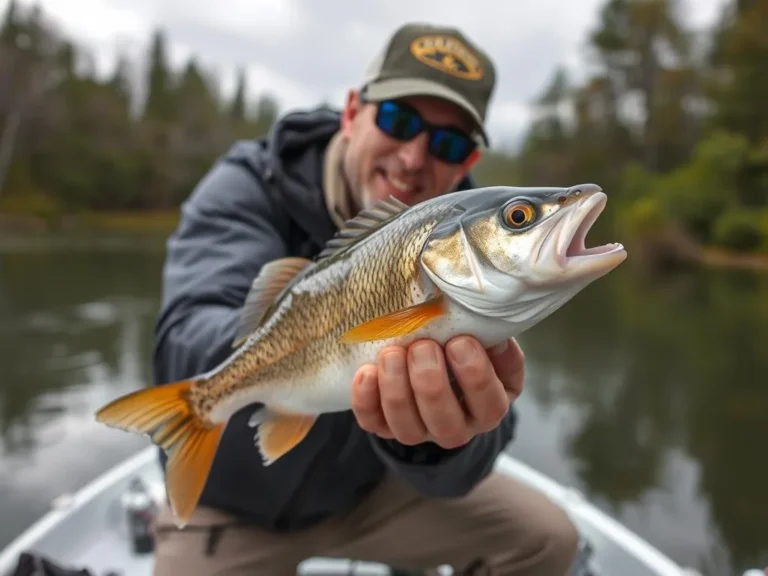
point(607, 547)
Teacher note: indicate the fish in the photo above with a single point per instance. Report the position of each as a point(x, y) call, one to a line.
point(489, 262)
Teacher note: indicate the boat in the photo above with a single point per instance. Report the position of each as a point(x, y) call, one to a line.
point(90, 530)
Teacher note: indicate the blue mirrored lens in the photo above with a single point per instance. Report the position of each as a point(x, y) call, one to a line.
point(449, 146)
point(398, 122)
point(402, 123)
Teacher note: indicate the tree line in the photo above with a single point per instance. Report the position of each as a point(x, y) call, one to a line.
point(72, 141)
point(671, 121)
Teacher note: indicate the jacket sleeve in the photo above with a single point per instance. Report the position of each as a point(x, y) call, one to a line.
point(441, 473)
point(226, 233)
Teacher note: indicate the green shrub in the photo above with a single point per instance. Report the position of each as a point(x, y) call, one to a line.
point(739, 229)
point(643, 217)
point(697, 193)
point(763, 225)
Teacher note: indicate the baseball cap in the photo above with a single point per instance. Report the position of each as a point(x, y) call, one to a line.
point(430, 60)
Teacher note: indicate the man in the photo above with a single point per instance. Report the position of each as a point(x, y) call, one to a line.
point(405, 478)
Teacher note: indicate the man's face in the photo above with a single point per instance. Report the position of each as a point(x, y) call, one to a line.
point(377, 166)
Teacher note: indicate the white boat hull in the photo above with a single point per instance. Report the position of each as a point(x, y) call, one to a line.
point(89, 529)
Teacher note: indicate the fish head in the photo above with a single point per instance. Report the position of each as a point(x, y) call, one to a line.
point(518, 254)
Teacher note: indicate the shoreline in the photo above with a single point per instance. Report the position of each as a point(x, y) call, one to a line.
point(165, 222)
point(149, 222)
point(721, 258)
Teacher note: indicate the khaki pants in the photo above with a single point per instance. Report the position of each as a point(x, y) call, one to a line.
point(502, 527)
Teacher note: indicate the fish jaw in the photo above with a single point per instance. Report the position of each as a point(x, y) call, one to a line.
point(574, 259)
point(520, 276)
point(553, 253)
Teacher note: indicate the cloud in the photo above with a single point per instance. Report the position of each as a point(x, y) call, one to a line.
point(304, 51)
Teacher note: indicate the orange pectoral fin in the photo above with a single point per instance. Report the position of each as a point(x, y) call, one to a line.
point(398, 323)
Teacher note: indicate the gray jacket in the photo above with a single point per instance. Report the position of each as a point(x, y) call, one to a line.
point(263, 200)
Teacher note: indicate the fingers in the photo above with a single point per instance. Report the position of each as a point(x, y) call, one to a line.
point(408, 396)
point(366, 402)
point(508, 362)
point(437, 403)
point(484, 394)
point(397, 398)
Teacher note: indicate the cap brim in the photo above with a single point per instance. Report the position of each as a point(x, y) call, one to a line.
point(402, 87)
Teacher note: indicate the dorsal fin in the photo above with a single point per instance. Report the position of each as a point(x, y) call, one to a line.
point(362, 225)
point(270, 281)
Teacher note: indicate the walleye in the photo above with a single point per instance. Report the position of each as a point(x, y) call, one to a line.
point(488, 262)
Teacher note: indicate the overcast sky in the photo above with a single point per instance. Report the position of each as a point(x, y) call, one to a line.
point(300, 50)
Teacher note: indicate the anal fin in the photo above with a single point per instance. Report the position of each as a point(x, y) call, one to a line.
point(398, 323)
point(279, 433)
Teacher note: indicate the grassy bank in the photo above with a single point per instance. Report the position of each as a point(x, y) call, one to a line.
point(669, 246)
point(719, 257)
point(162, 222)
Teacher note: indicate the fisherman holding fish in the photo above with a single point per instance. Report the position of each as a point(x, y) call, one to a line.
point(346, 394)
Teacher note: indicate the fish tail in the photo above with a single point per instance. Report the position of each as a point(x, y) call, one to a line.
point(164, 413)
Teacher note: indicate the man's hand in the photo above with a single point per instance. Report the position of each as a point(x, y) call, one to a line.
point(407, 395)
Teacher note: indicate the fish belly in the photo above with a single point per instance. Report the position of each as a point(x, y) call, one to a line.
point(330, 388)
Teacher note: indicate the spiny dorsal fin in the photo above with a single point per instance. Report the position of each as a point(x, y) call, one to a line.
point(362, 225)
point(267, 285)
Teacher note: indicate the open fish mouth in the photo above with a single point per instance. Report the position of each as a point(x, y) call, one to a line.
point(571, 245)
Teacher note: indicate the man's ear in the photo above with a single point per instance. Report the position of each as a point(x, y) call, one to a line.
point(471, 161)
point(350, 112)
point(467, 165)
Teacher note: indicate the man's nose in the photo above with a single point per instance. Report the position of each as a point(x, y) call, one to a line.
point(414, 152)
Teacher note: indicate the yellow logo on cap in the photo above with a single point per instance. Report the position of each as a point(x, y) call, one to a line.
point(448, 54)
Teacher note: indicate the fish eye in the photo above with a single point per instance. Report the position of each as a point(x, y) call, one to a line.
point(518, 214)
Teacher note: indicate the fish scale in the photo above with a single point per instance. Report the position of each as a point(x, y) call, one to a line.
point(489, 262)
point(349, 290)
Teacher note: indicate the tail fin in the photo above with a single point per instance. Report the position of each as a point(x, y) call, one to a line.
point(165, 415)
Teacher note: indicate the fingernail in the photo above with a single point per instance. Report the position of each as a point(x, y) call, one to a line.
point(394, 363)
point(424, 354)
point(367, 381)
point(499, 349)
point(461, 350)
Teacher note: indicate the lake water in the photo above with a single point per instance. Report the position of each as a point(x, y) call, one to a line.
point(649, 395)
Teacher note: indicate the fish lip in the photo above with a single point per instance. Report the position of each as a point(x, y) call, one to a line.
point(571, 250)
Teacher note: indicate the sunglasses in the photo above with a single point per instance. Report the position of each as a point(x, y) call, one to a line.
point(403, 122)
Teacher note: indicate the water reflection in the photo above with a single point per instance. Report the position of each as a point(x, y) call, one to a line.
point(76, 331)
point(649, 394)
point(664, 384)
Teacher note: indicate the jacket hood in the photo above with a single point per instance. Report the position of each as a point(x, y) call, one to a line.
point(300, 133)
point(295, 153)
point(288, 163)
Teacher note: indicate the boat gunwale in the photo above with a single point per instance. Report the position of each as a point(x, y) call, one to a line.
point(582, 511)
point(71, 503)
point(586, 512)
